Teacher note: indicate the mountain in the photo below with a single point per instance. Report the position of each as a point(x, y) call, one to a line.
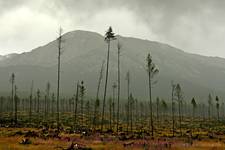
point(83, 53)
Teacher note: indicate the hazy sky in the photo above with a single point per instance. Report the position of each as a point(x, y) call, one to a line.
point(196, 26)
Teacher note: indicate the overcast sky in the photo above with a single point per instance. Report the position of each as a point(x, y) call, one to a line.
point(196, 26)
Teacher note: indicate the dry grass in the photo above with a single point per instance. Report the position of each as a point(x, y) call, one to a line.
point(8, 141)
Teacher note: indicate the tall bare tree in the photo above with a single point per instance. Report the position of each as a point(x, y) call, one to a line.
point(31, 97)
point(16, 101)
point(131, 99)
point(128, 98)
point(173, 108)
point(38, 103)
point(109, 36)
point(12, 80)
point(48, 86)
point(179, 97)
point(97, 101)
point(76, 103)
point(118, 88)
point(152, 71)
point(59, 40)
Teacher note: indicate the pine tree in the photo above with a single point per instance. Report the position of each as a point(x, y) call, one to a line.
point(152, 71)
point(109, 36)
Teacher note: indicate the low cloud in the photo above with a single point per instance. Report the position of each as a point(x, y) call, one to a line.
point(196, 26)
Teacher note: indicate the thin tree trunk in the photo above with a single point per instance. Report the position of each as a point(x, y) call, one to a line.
point(15, 98)
point(113, 106)
point(12, 101)
point(118, 93)
point(97, 95)
point(110, 113)
point(30, 107)
point(76, 103)
point(38, 107)
point(128, 100)
point(106, 81)
point(173, 119)
point(179, 105)
point(150, 99)
point(58, 77)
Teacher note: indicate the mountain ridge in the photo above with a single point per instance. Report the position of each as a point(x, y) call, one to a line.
point(83, 52)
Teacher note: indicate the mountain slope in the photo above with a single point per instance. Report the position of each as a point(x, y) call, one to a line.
point(83, 53)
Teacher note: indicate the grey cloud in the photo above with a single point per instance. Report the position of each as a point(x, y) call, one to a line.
point(194, 25)
point(8, 5)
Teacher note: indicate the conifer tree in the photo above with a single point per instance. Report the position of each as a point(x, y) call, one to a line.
point(109, 36)
point(152, 71)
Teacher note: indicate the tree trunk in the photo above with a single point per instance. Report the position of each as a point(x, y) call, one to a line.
point(150, 100)
point(173, 119)
point(76, 103)
point(106, 81)
point(118, 93)
point(58, 73)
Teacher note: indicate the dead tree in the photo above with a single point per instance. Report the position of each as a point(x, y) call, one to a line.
point(16, 101)
point(76, 103)
point(38, 104)
point(179, 97)
point(97, 102)
point(118, 88)
point(59, 40)
point(47, 99)
point(12, 80)
point(128, 98)
point(173, 108)
point(31, 97)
